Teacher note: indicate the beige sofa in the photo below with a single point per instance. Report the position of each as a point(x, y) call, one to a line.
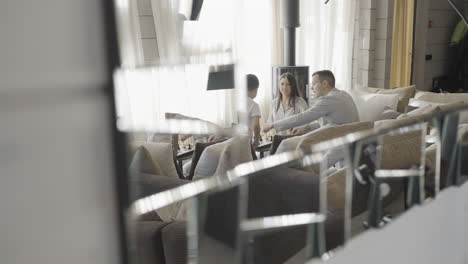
point(399, 152)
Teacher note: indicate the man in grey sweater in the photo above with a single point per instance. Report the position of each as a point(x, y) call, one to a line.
point(333, 107)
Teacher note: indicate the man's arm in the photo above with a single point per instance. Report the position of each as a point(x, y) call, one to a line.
point(319, 109)
point(314, 125)
point(305, 128)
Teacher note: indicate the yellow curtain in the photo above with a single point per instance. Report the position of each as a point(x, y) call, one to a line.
point(402, 43)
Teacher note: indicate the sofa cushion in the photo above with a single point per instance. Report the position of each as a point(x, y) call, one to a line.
point(235, 153)
point(149, 244)
point(219, 158)
point(304, 142)
point(289, 144)
point(419, 111)
point(277, 139)
point(404, 93)
point(443, 98)
point(197, 152)
point(174, 237)
point(429, 179)
point(462, 136)
point(133, 146)
point(371, 105)
point(175, 246)
point(276, 191)
point(336, 197)
point(400, 151)
point(388, 114)
point(208, 161)
point(327, 133)
point(144, 185)
point(331, 132)
point(155, 158)
point(142, 161)
point(442, 106)
point(463, 119)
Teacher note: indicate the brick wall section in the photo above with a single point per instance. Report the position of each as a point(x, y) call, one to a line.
point(356, 71)
point(383, 43)
point(372, 43)
point(148, 33)
point(364, 53)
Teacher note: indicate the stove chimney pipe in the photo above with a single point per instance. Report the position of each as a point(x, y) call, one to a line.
point(289, 21)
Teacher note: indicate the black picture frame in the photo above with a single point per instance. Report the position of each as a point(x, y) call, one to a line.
point(301, 73)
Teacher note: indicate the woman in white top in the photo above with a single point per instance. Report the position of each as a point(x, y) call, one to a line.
point(288, 102)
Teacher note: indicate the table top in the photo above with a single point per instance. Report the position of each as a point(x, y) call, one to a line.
point(263, 147)
point(184, 154)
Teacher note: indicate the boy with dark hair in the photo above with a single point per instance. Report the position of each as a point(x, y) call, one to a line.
point(253, 110)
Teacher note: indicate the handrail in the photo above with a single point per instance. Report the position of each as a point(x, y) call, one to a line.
point(274, 222)
point(217, 183)
point(375, 132)
point(189, 190)
point(197, 190)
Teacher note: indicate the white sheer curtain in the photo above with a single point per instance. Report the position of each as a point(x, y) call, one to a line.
point(131, 51)
point(258, 45)
point(242, 31)
point(168, 27)
point(145, 95)
point(173, 85)
point(325, 38)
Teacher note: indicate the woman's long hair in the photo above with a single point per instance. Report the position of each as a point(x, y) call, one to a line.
point(294, 93)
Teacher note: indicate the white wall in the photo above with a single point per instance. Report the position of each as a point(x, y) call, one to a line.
point(57, 199)
point(444, 19)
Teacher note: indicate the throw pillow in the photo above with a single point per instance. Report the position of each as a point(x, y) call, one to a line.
point(400, 151)
point(149, 184)
point(235, 153)
point(328, 133)
point(155, 158)
point(388, 113)
point(336, 194)
point(209, 159)
point(277, 140)
point(142, 161)
point(219, 158)
point(404, 93)
point(289, 144)
point(198, 150)
point(421, 111)
point(371, 105)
